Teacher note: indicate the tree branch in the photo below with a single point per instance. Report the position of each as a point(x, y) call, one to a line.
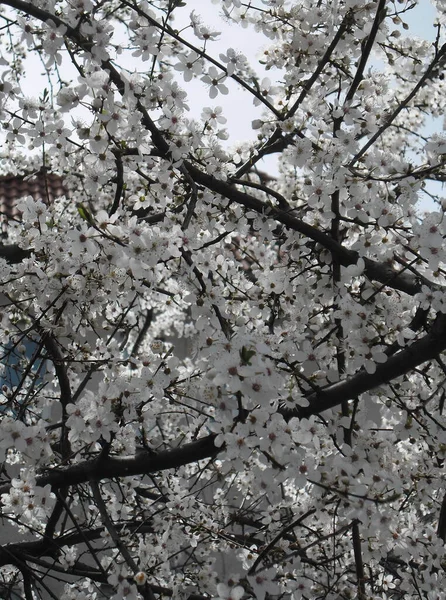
point(14, 254)
point(426, 348)
point(375, 270)
point(111, 467)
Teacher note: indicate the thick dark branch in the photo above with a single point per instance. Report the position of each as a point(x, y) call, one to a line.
point(426, 348)
point(111, 467)
point(360, 575)
point(56, 357)
point(119, 182)
point(366, 50)
point(374, 270)
point(377, 271)
point(14, 254)
point(441, 529)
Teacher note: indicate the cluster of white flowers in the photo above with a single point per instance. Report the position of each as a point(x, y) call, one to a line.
point(27, 503)
point(218, 382)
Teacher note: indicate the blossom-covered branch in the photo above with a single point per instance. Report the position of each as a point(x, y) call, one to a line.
point(221, 377)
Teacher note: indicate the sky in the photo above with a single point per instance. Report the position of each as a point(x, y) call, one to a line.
point(245, 41)
point(240, 112)
point(420, 20)
point(420, 23)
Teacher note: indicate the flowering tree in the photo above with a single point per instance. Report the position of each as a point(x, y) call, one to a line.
point(296, 449)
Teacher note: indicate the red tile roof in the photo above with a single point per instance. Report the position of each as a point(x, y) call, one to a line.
point(41, 186)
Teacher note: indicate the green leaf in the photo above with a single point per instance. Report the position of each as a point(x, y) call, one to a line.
point(246, 355)
point(85, 213)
